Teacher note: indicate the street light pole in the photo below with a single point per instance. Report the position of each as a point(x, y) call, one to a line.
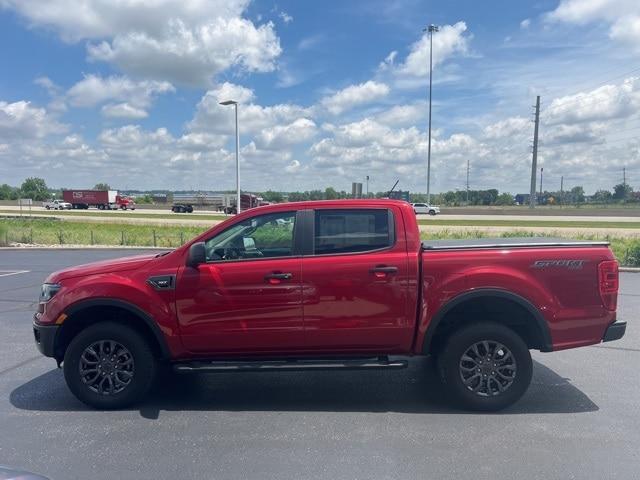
point(432, 28)
point(235, 104)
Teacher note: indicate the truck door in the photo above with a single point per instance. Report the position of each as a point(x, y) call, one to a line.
point(356, 281)
point(247, 297)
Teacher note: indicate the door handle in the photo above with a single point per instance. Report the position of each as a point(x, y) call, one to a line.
point(277, 277)
point(381, 271)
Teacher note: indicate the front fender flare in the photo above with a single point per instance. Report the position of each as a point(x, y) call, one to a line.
point(137, 311)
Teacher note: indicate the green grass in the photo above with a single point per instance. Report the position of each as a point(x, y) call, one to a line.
point(568, 223)
point(60, 232)
point(112, 214)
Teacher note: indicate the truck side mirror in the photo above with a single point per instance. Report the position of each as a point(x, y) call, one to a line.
point(197, 255)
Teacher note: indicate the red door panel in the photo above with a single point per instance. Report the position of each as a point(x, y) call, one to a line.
point(231, 307)
point(347, 307)
point(360, 301)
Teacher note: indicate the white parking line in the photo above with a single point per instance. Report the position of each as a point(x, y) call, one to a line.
point(6, 273)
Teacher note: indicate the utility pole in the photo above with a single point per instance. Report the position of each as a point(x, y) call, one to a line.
point(534, 160)
point(238, 201)
point(431, 29)
point(541, 170)
point(624, 176)
point(367, 186)
point(561, 189)
point(467, 182)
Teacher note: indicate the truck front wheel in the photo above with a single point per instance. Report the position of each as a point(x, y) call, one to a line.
point(109, 366)
point(485, 366)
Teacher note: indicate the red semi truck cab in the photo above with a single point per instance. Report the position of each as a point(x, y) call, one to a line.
point(328, 285)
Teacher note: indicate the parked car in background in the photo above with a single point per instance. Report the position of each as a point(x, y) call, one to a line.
point(425, 208)
point(182, 208)
point(57, 205)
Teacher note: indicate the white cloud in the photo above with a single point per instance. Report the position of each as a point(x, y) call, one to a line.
point(388, 62)
point(354, 95)
point(283, 136)
point(403, 114)
point(123, 110)
point(293, 167)
point(231, 91)
point(285, 17)
point(508, 128)
point(627, 29)
point(210, 116)
point(132, 97)
point(182, 41)
point(311, 42)
point(623, 16)
point(526, 23)
point(603, 103)
point(450, 40)
point(20, 121)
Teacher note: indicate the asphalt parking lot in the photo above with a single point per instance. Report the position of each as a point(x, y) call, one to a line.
point(580, 418)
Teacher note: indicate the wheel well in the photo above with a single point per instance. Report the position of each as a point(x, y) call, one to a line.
point(502, 310)
point(78, 321)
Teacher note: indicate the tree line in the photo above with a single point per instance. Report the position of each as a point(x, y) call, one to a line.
point(36, 189)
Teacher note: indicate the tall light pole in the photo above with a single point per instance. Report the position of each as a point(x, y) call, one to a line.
point(235, 104)
point(431, 29)
point(367, 186)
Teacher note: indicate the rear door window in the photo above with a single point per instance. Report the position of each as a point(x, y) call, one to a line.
point(352, 231)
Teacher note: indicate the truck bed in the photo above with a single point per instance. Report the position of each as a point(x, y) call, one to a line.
point(512, 242)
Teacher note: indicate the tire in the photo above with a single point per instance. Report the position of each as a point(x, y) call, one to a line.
point(189, 209)
point(453, 369)
point(48, 207)
point(140, 372)
point(100, 207)
point(432, 212)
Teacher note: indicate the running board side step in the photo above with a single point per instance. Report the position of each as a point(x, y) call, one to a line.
point(290, 365)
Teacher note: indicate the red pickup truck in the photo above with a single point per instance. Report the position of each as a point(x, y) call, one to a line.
point(328, 285)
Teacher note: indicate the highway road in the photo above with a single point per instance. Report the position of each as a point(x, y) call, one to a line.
point(481, 214)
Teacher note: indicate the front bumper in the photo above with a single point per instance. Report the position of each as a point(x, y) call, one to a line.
point(615, 331)
point(45, 338)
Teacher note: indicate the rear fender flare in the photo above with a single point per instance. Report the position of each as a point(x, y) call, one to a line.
point(541, 323)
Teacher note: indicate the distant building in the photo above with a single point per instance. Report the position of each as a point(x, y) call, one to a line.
point(522, 198)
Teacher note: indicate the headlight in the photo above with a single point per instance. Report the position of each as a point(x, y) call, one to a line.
point(47, 291)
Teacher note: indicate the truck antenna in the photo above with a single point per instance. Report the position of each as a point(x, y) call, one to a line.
point(393, 188)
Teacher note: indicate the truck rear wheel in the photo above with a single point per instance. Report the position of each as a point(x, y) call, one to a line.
point(485, 366)
point(109, 366)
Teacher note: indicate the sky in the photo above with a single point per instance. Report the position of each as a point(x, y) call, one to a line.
point(127, 92)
